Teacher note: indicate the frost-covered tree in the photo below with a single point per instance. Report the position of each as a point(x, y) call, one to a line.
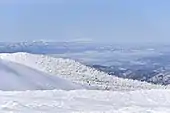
point(77, 72)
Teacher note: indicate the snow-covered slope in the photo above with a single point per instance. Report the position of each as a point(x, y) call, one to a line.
point(76, 72)
point(85, 101)
point(15, 76)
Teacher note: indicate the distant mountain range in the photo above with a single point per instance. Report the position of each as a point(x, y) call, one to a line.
point(153, 72)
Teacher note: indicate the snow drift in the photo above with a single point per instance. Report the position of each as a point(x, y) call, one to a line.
point(19, 77)
point(85, 101)
point(76, 72)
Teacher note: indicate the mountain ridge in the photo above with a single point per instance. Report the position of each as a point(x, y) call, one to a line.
point(16, 77)
point(76, 72)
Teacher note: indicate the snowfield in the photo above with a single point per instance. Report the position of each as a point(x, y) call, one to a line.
point(76, 72)
point(56, 85)
point(85, 101)
point(19, 77)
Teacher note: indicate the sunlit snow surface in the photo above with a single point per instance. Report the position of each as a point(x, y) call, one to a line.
point(85, 101)
point(76, 72)
point(66, 73)
point(15, 76)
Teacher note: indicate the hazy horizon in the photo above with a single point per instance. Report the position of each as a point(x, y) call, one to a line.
point(106, 21)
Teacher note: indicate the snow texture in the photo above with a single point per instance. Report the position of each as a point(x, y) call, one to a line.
point(23, 71)
point(85, 101)
point(76, 72)
point(19, 77)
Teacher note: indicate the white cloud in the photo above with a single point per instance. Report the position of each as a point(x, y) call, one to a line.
point(81, 40)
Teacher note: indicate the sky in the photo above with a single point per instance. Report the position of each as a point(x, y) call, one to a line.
point(113, 21)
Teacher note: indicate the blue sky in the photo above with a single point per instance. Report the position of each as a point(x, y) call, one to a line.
point(120, 21)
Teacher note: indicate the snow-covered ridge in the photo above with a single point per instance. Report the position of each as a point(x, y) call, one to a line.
point(76, 72)
point(18, 77)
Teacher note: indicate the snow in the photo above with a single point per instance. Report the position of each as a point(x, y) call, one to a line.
point(85, 101)
point(76, 72)
point(19, 77)
point(43, 84)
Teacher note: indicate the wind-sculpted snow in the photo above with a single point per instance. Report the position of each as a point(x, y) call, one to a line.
point(15, 76)
point(85, 101)
point(76, 72)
